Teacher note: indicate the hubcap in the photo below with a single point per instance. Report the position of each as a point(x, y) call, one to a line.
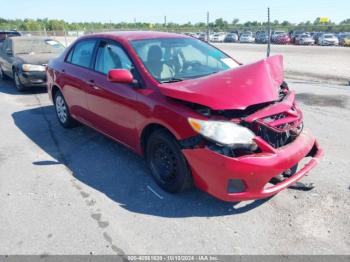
point(164, 163)
point(61, 109)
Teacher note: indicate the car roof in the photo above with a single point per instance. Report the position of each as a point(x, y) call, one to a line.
point(30, 38)
point(137, 35)
point(9, 32)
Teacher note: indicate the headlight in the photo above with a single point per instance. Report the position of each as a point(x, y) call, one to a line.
point(222, 132)
point(29, 67)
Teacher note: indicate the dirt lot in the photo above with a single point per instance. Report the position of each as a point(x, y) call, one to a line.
point(322, 63)
point(77, 192)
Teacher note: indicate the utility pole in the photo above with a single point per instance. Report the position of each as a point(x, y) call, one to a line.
point(269, 33)
point(208, 29)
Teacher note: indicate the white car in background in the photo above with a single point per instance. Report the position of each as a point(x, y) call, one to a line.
point(219, 37)
point(304, 39)
point(328, 39)
point(247, 38)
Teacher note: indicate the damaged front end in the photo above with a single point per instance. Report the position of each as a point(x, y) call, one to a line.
point(277, 123)
point(246, 171)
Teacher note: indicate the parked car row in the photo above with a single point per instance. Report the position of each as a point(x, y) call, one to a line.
point(189, 109)
point(277, 37)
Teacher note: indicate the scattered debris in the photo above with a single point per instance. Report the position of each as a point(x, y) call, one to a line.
point(302, 187)
point(154, 192)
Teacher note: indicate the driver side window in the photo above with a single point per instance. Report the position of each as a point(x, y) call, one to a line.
point(111, 56)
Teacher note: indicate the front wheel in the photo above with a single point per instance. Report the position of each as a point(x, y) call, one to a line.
point(2, 75)
point(62, 111)
point(167, 163)
point(20, 87)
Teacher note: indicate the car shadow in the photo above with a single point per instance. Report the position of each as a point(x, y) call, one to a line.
point(8, 87)
point(114, 170)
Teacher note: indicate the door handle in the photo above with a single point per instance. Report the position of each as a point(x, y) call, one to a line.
point(91, 83)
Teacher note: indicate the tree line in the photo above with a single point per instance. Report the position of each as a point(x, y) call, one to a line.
point(218, 25)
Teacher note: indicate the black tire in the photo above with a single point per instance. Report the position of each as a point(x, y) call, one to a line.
point(62, 111)
point(167, 163)
point(2, 75)
point(20, 87)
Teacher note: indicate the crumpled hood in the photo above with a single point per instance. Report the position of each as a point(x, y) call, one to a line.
point(237, 88)
point(36, 59)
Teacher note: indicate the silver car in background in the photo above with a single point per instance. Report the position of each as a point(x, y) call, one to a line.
point(218, 37)
point(304, 39)
point(247, 38)
point(328, 39)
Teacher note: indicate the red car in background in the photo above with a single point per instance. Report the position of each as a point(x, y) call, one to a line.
point(194, 113)
point(282, 39)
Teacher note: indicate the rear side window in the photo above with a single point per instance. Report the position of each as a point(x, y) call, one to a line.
point(82, 52)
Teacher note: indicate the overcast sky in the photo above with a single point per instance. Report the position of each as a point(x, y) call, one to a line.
point(179, 11)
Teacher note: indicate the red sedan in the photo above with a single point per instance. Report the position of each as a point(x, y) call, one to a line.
point(194, 113)
point(282, 39)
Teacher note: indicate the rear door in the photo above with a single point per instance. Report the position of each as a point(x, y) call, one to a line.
point(76, 74)
point(113, 106)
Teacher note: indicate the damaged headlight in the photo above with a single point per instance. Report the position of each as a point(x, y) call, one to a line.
point(223, 132)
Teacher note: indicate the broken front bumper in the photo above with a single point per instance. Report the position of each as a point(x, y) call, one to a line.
point(212, 172)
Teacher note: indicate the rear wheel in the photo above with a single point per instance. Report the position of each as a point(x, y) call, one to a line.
point(62, 111)
point(167, 163)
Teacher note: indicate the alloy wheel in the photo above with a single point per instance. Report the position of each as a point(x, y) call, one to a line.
point(61, 109)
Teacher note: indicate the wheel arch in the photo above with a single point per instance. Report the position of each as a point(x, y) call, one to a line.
point(148, 130)
point(54, 89)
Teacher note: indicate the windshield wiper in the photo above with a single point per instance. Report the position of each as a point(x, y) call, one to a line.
point(211, 73)
point(172, 80)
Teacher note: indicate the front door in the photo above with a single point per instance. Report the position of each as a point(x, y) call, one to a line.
point(113, 106)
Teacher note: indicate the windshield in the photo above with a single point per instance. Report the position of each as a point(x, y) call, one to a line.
point(328, 36)
point(176, 59)
point(35, 46)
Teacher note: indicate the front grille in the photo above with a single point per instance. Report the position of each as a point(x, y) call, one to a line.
point(274, 138)
point(277, 136)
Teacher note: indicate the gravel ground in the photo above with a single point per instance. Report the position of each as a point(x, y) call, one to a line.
point(322, 63)
point(77, 192)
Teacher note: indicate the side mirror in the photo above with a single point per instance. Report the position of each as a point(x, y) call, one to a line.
point(120, 76)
